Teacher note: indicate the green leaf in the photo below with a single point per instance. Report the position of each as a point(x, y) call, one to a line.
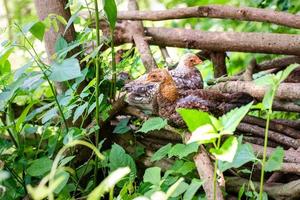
point(40, 167)
point(79, 110)
point(232, 119)
point(181, 167)
point(268, 98)
point(22, 117)
point(38, 30)
point(110, 10)
point(192, 189)
point(285, 73)
point(108, 183)
point(60, 44)
point(194, 118)
point(67, 70)
point(49, 115)
point(162, 152)
point(182, 150)
point(182, 187)
point(204, 134)
point(241, 192)
point(227, 150)
point(122, 127)
point(118, 158)
point(275, 160)
point(267, 80)
point(152, 175)
point(243, 155)
point(155, 123)
point(64, 176)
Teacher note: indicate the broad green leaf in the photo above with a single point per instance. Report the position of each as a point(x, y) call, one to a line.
point(79, 110)
point(110, 10)
point(182, 187)
point(204, 134)
point(275, 160)
point(66, 160)
point(162, 152)
point(181, 167)
point(108, 183)
point(232, 119)
point(65, 177)
point(38, 30)
point(40, 167)
point(155, 123)
point(194, 118)
point(267, 80)
point(243, 155)
point(49, 115)
point(192, 189)
point(72, 19)
point(122, 127)
point(67, 70)
point(182, 150)
point(286, 72)
point(152, 175)
point(60, 44)
point(119, 158)
point(227, 150)
point(22, 117)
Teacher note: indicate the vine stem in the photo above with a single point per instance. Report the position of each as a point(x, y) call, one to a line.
point(97, 90)
point(113, 62)
point(39, 62)
point(262, 174)
point(215, 171)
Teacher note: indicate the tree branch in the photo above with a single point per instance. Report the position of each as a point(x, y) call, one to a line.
point(217, 11)
point(286, 91)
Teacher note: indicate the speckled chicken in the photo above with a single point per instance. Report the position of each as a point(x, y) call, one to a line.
point(169, 98)
point(185, 75)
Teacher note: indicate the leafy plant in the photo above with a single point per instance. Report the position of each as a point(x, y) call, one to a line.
point(271, 81)
point(208, 129)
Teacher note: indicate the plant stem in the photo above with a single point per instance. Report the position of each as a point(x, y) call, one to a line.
point(97, 91)
point(113, 62)
point(215, 171)
point(261, 188)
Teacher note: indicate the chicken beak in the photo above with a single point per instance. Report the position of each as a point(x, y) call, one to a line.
point(198, 61)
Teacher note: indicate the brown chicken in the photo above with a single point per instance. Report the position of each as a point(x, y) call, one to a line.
point(169, 98)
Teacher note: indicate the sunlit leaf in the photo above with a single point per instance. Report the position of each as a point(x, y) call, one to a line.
point(108, 183)
point(182, 150)
point(152, 175)
point(232, 119)
point(204, 134)
point(227, 150)
point(79, 110)
point(194, 118)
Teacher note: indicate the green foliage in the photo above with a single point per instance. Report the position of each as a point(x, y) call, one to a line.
point(122, 127)
point(275, 160)
point(66, 70)
point(40, 166)
point(152, 175)
point(155, 123)
point(110, 10)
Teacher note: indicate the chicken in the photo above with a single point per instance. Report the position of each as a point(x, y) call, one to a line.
point(185, 75)
point(169, 98)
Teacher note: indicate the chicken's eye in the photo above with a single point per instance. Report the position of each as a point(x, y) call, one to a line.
point(153, 76)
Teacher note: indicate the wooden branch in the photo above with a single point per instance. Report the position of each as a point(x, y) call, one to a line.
point(287, 91)
point(285, 106)
point(217, 11)
point(258, 141)
point(214, 41)
point(205, 170)
point(278, 63)
point(289, 123)
point(219, 62)
point(273, 126)
point(286, 191)
point(136, 30)
point(275, 136)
